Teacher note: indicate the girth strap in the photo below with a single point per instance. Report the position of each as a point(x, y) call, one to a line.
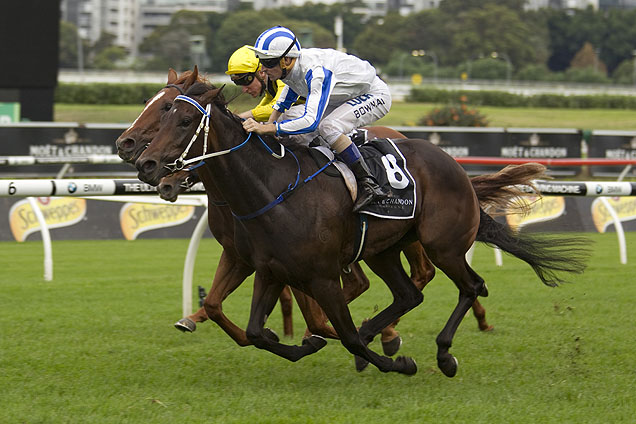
point(361, 237)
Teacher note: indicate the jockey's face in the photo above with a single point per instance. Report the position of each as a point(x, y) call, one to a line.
point(254, 89)
point(273, 73)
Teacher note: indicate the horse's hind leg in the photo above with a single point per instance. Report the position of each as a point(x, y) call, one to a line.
point(406, 296)
point(422, 271)
point(470, 286)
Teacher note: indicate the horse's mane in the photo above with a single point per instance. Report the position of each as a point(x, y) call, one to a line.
point(201, 87)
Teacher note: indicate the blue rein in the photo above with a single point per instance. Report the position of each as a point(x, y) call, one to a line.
point(281, 197)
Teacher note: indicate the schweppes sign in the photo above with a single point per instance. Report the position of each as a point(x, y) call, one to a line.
point(625, 208)
point(136, 218)
point(541, 210)
point(58, 212)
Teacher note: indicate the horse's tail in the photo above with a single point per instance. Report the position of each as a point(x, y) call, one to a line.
point(546, 255)
point(499, 191)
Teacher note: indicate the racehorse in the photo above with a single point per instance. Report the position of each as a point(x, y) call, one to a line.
point(305, 239)
point(231, 271)
point(131, 143)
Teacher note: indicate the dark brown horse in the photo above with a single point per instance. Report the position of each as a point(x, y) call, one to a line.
point(135, 139)
point(232, 271)
point(304, 239)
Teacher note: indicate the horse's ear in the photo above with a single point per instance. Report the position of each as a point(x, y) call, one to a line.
point(172, 76)
point(192, 78)
point(212, 94)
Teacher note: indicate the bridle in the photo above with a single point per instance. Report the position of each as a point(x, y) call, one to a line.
point(181, 162)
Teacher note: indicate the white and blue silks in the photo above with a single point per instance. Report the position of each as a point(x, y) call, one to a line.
point(342, 93)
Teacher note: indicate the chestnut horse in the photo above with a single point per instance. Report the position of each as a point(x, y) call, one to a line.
point(305, 240)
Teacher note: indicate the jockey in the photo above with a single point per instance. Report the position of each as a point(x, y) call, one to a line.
point(243, 69)
point(342, 93)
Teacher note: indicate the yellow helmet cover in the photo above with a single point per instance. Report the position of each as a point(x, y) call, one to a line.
point(242, 61)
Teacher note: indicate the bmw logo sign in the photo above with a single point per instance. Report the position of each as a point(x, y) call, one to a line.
point(72, 187)
point(599, 189)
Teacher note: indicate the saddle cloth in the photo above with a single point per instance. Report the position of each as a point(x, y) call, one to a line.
point(388, 166)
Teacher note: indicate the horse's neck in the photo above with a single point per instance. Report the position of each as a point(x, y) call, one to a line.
point(249, 177)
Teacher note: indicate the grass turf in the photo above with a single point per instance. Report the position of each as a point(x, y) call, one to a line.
point(96, 345)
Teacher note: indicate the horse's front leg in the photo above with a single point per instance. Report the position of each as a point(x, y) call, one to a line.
point(266, 292)
point(230, 273)
point(287, 307)
point(330, 298)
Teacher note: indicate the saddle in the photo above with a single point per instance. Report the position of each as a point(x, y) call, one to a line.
point(388, 166)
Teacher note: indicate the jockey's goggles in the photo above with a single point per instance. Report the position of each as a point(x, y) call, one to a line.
point(271, 63)
point(242, 79)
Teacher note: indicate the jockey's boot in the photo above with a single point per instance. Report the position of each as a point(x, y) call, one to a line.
point(368, 188)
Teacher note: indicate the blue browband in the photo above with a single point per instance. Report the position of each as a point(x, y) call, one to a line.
point(193, 103)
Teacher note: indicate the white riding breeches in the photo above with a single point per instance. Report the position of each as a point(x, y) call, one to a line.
point(343, 118)
point(357, 112)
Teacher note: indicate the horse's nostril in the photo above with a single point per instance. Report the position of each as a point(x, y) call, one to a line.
point(149, 166)
point(126, 144)
point(165, 188)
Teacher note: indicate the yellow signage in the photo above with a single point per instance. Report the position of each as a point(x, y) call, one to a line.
point(625, 208)
point(136, 218)
point(416, 79)
point(541, 210)
point(58, 212)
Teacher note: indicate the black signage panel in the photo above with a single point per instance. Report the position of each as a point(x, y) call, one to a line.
point(62, 140)
point(542, 143)
point(525, 143)
point(462, 142)
point(612, 145)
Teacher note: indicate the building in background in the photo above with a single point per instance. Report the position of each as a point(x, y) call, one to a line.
point(130, 21)
point(116, 17)
point(616, 4)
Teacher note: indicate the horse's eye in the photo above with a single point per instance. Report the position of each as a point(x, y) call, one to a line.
point(185, 122)
point(166, 107)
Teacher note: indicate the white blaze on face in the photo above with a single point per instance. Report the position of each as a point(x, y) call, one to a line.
point(154, 99)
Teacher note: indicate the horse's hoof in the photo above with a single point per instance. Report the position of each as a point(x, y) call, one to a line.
point(270, 335)
point(361, 363)
point(405, 365)
point(391, 347)
point(316, 342)
point(448, 365)
point(486, 328)
point(186, 325)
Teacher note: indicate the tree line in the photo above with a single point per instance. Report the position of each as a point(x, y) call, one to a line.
point(462, 38)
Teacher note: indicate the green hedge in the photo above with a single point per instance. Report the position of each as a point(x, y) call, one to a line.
point(120, 94)
point(115, 94)
point(504, 99)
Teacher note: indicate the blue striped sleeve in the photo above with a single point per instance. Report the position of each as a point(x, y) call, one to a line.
point(286, 99)
point(320, 83)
